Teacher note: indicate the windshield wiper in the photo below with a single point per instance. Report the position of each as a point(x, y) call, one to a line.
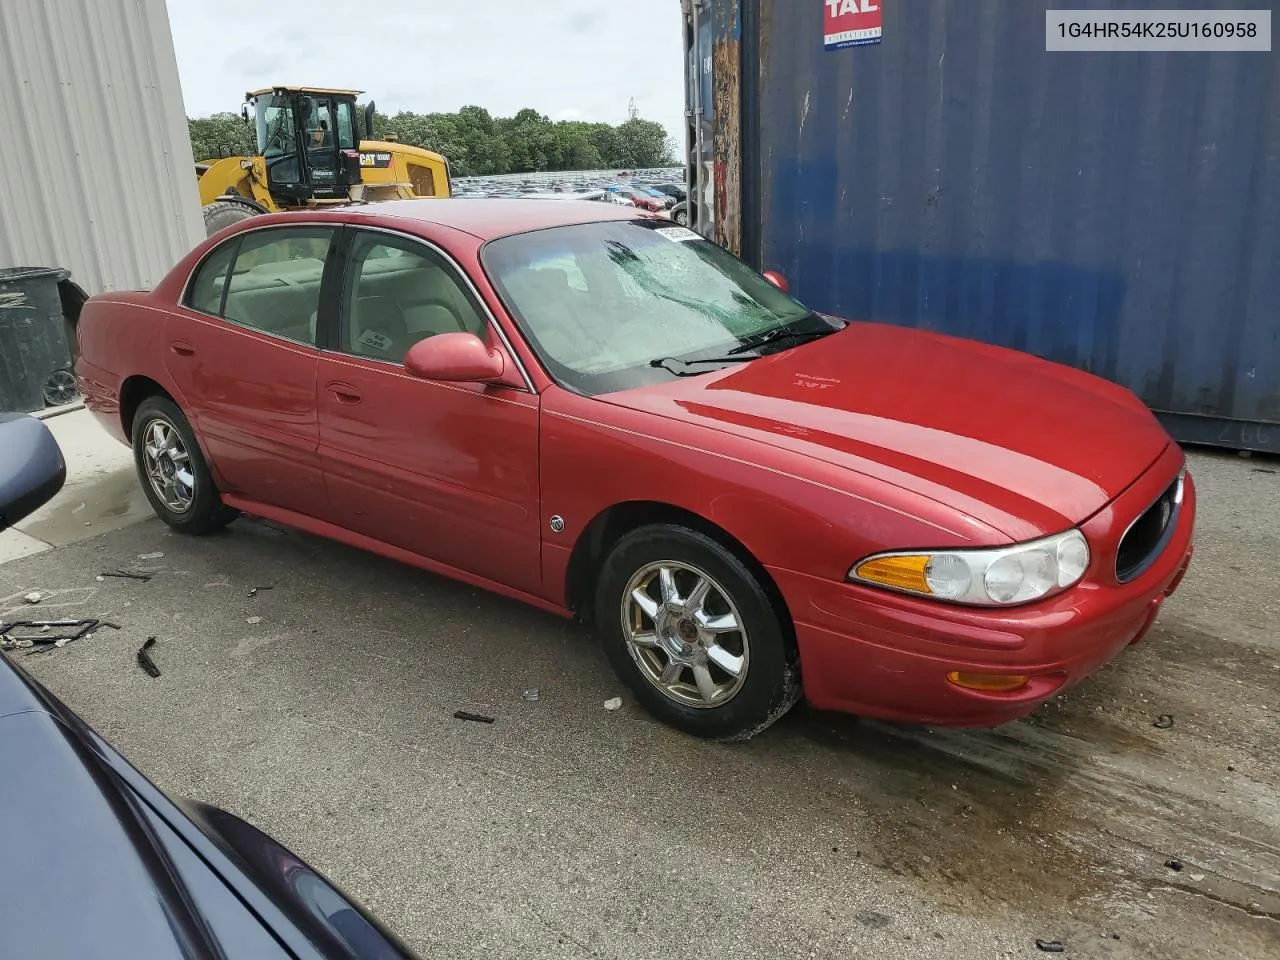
point(662, 362)
point(778, 335)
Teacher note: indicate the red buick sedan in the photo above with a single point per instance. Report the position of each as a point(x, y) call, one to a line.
point(603, 415)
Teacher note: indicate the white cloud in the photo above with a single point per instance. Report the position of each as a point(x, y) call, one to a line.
point(569, 59)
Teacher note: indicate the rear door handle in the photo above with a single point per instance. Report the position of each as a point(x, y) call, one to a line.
point(345, 392)
point(182, 348)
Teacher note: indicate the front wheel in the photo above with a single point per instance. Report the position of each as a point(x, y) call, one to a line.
point(173, 471)
point(692, 632)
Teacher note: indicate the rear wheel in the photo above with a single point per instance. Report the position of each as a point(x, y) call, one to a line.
point(173, 471)
point(223, 213)
point(691, 630)
point(680, 214)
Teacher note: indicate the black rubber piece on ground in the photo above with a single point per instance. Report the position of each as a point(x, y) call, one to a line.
point(207, 512)
point(773, 678)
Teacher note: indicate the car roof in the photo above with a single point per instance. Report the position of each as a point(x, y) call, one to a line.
point(490, 218)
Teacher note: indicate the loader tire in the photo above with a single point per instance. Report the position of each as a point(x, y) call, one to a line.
point(223, 213)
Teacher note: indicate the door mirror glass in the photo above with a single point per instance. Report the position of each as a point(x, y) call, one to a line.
point(778, 280)
point(31, 467)
point(455, 358)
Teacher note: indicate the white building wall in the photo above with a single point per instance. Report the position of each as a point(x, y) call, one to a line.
point(96, 173)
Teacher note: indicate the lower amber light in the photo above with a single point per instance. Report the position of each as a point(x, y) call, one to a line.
point(987, 682)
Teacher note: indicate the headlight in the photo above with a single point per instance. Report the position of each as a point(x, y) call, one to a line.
point(995, 577)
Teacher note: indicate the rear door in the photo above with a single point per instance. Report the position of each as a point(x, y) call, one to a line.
point(243, 352)
point(448, 471)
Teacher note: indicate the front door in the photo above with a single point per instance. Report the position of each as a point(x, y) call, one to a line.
point(447, 471)
point(243, 354)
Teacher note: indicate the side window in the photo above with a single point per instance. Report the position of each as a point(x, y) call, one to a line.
point(275, 282)
point(205, 291)
point(346, 127)
point(399, 292)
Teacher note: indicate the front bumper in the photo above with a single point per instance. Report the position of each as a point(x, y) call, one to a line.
point(875, 653)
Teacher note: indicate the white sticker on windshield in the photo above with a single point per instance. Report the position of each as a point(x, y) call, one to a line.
point(678, 234)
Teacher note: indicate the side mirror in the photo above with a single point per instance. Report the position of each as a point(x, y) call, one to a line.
point(370, 111)
point(244, 114)
point(455, 358)
point(778, 280)
point(31, 467)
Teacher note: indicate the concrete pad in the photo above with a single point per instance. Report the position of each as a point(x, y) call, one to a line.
point(15, 544)
point(101, 493)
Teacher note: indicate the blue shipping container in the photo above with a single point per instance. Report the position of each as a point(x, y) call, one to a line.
point(1119, 212)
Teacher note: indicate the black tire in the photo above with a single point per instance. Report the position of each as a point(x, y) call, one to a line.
point(680, 214)
point(223, 213)
point(205, 511)
point(771, 682)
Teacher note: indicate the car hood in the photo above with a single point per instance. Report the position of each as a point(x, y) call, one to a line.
point(1020, 444)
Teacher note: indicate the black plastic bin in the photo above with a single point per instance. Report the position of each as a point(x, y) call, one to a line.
point(35, 360)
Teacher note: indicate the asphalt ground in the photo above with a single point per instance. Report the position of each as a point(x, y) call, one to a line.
point(322, 711)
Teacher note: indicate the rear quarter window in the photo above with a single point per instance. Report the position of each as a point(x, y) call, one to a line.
point(210, 279)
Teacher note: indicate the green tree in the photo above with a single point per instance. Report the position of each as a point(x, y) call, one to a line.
point(221, 135)
point(479, 144)
point(644, 143)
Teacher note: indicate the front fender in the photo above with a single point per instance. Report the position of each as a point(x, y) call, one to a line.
point(789, 512)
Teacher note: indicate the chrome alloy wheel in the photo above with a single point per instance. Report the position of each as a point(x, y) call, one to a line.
point(684, 632)
point(168, 465)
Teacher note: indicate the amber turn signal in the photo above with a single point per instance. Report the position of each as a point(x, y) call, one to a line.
point(898, 572)
point(987, 682)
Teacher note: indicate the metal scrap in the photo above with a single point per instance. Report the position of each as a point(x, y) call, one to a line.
point(125, 575)
point(1051, 946)
point(46, 635)
point(472, 717)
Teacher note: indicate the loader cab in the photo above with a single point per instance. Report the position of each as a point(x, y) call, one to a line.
point(309, 140)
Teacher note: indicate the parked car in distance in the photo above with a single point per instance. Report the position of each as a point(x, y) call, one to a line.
point(602, 414)
point(673, 190)
point(639, 198)
point(98, 862)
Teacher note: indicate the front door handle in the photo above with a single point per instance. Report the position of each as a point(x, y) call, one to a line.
point(182, 348)
point(345, 392)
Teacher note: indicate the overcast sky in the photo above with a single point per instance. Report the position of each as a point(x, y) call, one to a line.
point(569, 59)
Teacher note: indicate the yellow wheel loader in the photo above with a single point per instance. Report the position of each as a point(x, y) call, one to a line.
point(310, 154)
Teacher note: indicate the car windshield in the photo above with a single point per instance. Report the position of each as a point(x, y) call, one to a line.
point(602, 303)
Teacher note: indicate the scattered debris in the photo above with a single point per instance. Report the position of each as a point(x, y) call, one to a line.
point(150, 556)
point(1196, 877)
point(253, 591)
point(1174, 865)
point(532, 694)
point(614, 704)
point(1231, 768)
point(1163, 722)
point(254, 620)
point(1051, 946)
point(71, 630)
point(35, 596)
point(144, 658)
point(125, 575)
point(472, 717)
point(1263, 470)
